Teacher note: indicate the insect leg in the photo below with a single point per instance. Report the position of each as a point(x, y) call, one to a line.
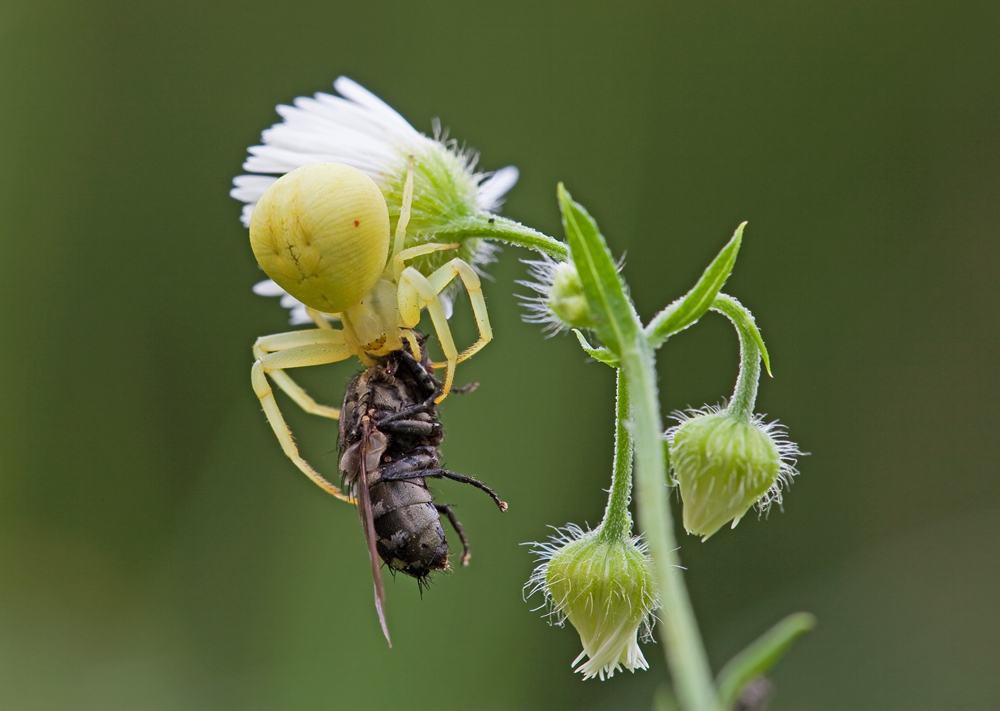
point(444, 474)
point(446, 510)
point(427, 379)
point(425, 376)
point(413, 428)
point(466, 388)
point(408, 412)
point(412, 466)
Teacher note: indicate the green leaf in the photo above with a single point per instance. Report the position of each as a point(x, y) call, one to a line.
point(503, 229)
point(689, 308)
point(758, 659)
point(615, 321)
point(744, 321)
point(602, 355)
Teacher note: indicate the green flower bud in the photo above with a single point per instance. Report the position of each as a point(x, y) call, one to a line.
point(560, 304)
point(605, 589)
point(724, 464)
point(566, 299)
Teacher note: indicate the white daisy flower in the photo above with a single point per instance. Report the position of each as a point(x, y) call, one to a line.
point(452, 202)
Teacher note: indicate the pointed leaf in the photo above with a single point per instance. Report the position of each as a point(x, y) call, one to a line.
point(692, 306)
point(614, 319)
point(762, 654)
point(602, 355)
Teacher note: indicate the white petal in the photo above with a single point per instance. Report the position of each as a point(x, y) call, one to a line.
point(270, 159)
point(247, 214)
point(351, 90)
point(495, 187)
point(249, 188)
point(447, 304)
point(299, 316)
point(267, 288)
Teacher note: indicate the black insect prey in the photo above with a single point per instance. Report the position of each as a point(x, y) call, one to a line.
point(389, 438)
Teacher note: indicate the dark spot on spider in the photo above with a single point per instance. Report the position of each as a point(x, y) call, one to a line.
point(492, 220)
point(356, 223)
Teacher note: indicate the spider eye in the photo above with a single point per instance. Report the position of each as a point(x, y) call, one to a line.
point(321, 233)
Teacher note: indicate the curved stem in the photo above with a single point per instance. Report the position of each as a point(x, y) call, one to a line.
point(683, 647)
point(617, 520)
point(745, 393)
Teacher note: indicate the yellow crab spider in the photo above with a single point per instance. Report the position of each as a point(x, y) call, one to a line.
point(321, 232)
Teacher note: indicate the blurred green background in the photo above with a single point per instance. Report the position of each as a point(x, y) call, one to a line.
point(157, 551)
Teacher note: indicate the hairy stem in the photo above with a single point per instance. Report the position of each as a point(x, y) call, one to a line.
point(617, 520)
point(745, 393)
point(684, 649)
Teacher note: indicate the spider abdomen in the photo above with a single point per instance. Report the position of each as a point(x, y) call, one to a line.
point(321, 232)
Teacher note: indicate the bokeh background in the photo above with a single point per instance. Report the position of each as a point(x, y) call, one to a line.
point(158, 552)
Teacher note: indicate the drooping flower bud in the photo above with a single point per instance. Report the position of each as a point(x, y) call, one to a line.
point(604, 586)
point(724, 464)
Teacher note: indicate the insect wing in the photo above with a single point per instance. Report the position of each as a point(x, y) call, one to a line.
point(368, 525)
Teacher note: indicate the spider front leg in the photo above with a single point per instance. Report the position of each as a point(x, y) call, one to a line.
point(296, 349)
point(416, 292)
point(295, 339)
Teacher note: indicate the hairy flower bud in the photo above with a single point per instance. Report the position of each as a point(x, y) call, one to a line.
point(566, 298)
point(724, 464)
point(561, 303)
point(604, 586)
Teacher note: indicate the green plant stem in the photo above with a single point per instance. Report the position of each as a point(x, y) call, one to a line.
point(620, 330)
point(617, 520)
point(505, 230)
point(745, 393)
point(684, 649)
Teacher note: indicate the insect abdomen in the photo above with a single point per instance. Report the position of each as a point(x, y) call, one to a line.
point(408, 529)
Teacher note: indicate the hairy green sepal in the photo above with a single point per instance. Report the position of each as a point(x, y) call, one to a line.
point(602, 355)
